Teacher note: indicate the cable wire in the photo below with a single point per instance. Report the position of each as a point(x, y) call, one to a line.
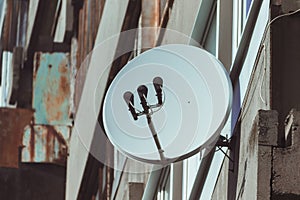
point(262, 46)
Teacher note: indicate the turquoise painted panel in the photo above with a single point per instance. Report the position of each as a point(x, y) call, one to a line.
point(51, 89)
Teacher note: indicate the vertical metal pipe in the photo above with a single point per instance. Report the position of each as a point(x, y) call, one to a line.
point(153, 182)
point(202, 175)
point(150, 18)
point(155, 137)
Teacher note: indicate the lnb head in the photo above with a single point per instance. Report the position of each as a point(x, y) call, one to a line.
point(158, 84)
point(129, 99)
point(143, 91)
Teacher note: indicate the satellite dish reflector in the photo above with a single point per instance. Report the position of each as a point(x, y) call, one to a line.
point(182, 97)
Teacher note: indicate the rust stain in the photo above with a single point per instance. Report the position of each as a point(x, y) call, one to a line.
point(49, 145)
point(56, 100)
point(53, 102)
point(150, 18)
point(64, 86)
point(63, 68)
point(59, 136)
point(12, 124)
point(62, 149)
point(52, 92)
point(54, 136)
point(32, 144)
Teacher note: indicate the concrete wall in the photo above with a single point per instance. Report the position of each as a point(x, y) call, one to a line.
point(258, 97)
point(220, 191)
point(267, 149)
point(242, 174)
point(286, 162)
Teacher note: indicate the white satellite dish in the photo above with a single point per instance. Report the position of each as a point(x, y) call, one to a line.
point(177, 100)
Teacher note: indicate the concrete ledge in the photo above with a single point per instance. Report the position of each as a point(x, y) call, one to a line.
point(264, 172)
point(267, 123)
point(267, 131)
point(286, 162)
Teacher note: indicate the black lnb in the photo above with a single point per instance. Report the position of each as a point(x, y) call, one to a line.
point(128, 97)
point(158, 84)
point(143, 91)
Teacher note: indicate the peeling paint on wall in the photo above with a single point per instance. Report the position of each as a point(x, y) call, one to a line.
point(44, 143)
point(52, 89)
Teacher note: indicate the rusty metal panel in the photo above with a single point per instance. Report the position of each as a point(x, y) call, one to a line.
point(52, 89)
point(150, 18)
point(44, 143)
point(12, 124)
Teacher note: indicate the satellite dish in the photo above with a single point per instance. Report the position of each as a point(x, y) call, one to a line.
point(167, 104)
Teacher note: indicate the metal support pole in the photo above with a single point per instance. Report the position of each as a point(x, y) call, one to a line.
point(154, 134)
point(202, 175)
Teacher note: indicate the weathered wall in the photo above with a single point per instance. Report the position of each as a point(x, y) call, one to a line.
point(256, 175)
point(286, 162)
point(238, 180)
point(266, 161)
point(258, 97)
point(285, 67)
point(220, 191)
